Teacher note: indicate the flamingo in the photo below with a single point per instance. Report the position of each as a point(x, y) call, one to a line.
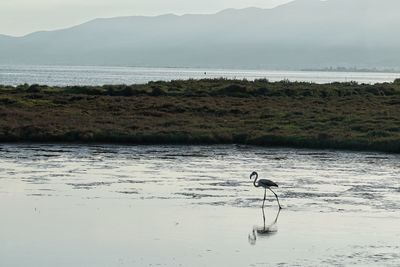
point(266, 184)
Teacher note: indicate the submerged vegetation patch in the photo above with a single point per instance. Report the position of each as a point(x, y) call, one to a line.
point(210, 111)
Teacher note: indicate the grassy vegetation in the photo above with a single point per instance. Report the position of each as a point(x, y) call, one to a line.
point(337, 115)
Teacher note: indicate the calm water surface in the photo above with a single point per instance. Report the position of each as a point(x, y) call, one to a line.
point(105, 205)
point(80, 75)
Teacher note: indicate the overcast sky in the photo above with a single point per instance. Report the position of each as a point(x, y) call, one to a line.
point(19, 17)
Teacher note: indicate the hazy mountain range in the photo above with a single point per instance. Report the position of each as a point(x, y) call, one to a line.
point(301, 34)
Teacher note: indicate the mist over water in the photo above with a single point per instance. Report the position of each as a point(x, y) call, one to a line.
point(116, 205)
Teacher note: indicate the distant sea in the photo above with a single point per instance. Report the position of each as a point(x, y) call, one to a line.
point(96, 75)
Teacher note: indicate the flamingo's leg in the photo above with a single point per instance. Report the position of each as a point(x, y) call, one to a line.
point(276, 198)
point(265, 196)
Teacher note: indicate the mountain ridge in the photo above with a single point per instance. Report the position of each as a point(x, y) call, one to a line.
point(299, 34)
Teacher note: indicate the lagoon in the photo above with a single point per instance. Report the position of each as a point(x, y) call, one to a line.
point(101, 75)
point(115, 205)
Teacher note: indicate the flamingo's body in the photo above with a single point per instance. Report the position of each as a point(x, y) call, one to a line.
point(266, 184)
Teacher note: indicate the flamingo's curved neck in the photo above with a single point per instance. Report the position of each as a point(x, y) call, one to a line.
point(255, 181)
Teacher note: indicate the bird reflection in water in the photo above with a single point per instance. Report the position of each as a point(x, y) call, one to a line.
point(265, 230)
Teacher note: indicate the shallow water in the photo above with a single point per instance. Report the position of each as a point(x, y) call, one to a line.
point(105, 205)
point(97, 75)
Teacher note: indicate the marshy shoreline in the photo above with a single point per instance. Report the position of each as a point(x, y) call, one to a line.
point(347, 116)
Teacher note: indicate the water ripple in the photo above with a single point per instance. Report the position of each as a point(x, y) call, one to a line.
point(206, 175)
